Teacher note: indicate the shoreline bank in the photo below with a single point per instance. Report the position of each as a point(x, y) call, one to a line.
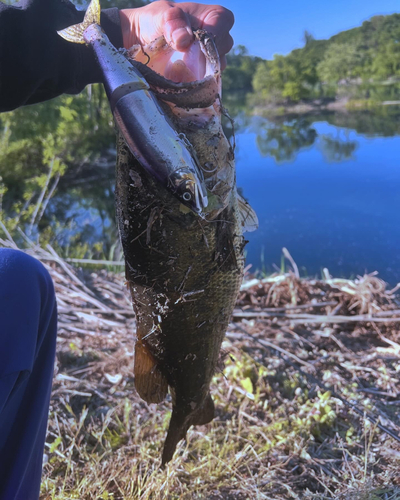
point(309, 367)
point(342, 105)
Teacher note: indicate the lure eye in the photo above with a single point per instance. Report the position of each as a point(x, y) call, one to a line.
point(188, 188)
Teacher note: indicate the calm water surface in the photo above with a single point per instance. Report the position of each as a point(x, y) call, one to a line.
point(327, 193)
point(327, 188)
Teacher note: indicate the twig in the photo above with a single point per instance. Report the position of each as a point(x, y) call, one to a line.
point(41, 196)
point(46, 201)
point(286, 253)
point(68, 271)
point(377, 392)
point(98, 262)
point(309, 305)
point(123, 312)
point(25, 237)
point(3, 227)
point(361, 412)
point(313, 318)
point(265, 343)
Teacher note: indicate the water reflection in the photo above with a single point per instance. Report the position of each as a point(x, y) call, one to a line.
point(81, 215)
point(283, 141)
point(323, 186)
point(382, 122)
point(337, 149)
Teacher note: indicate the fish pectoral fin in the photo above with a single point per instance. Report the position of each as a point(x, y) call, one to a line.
point(150, 383)
point(75, 33)
point(247, 217)
point(180, 423)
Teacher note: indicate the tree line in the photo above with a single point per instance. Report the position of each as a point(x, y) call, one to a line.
point(366, 54)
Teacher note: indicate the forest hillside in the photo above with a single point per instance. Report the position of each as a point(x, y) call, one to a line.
point(365, 55)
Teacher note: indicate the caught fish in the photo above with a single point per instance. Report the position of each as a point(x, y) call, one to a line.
point(184, 257)
point(146, 130)
point(184, 271)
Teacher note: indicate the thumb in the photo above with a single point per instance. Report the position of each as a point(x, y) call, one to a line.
point(176, 29)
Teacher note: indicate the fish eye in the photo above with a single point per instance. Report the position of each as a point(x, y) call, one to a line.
point(187, 196)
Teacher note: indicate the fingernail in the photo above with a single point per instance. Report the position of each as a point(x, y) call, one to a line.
point(182, 37)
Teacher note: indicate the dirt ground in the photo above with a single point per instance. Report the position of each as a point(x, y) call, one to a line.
point(307, 396)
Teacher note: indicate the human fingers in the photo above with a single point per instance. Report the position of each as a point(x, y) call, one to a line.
point(224, 45)
point(176, 28)
point(218, 20)
point(175, 22)
point(223, 62)
point(144, 24)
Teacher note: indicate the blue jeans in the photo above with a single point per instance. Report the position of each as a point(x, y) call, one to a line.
point(28, 329)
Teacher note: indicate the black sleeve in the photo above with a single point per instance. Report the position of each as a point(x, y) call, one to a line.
point(36, 64)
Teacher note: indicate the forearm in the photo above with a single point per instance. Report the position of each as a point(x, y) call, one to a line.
point(35, 63)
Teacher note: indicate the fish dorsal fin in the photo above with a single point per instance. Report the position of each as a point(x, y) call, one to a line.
point(247, 217)
point(150, 383)
point(74, 33)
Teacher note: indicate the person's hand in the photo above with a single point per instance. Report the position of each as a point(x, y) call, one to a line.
point(175, 22)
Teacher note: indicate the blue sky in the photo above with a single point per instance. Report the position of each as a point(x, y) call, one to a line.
point(269, 27)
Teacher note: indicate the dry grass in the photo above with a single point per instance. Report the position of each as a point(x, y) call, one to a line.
point(282, 429)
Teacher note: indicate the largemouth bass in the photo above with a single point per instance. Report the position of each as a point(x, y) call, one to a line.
point(184, 271)
point(179, 215)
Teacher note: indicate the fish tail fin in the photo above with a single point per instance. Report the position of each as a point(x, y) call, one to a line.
point(180, 424)
point(150, 383)
point(205, 413)
point(75, 33)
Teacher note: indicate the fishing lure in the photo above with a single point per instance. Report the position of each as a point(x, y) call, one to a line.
point(164, 153)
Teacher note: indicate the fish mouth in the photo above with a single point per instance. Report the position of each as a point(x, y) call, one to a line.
point(187, 66)
point(199, 62)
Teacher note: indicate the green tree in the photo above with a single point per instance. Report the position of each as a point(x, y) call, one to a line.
point(40, 143)
point(240, 69)
point(289, 77)
point(342, 61)
point(386, 61)
point(308, 37)
point(369, 52)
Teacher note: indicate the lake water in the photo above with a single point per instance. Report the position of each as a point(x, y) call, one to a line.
point(325, 187)
point(329, 194)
